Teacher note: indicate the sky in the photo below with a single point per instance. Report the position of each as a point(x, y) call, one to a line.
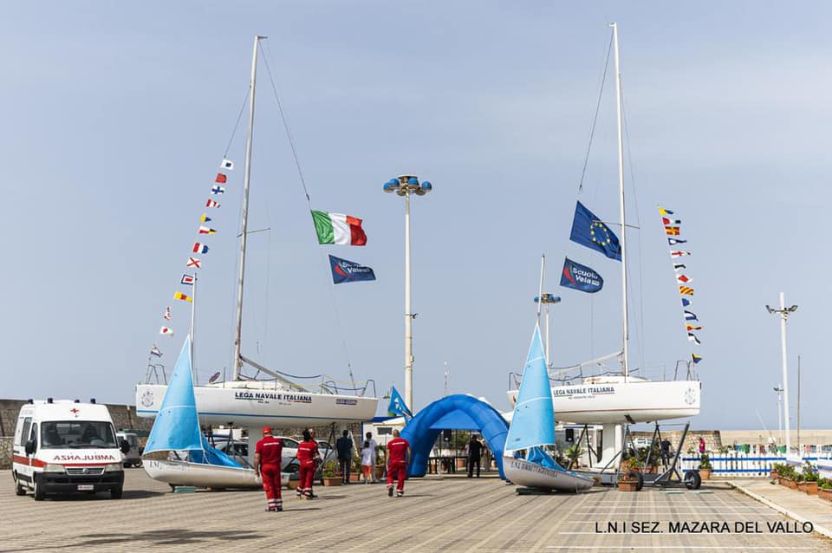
point(117, 115)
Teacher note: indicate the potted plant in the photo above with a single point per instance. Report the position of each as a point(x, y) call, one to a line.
point(628, 475)
point(705, 467)
point(330, 473)
point(809, 481)
point(776, 471)
point(788, 478)
point(825, 489)
point(573, 454)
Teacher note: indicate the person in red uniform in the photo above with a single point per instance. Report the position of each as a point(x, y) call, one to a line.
point(268, 454)
point(307, 457)
point(397, 452)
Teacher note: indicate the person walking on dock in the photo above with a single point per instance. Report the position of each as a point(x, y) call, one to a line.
point(397, 452)
point(367, 455)
point(307, 457)
point(474, 455)
point(344, 447)
point(374, 459)
point(268, 453)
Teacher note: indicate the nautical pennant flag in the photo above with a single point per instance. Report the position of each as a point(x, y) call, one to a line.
point(205, 230)
point(349, 271)
point(212, 203)
point(690, 316)
point(679, 253)
point(678, 267)
point(337, 228)
point(692, 338)
point(182, 297)
point(221, 178)
point(691, 327)
point(588, 230)
point(685, 302)
point(166, 331)
point(397, 405)
point(187, 280)
point(194, 262)
point(671, 222)
point(217, 189)
point(199, 248)
point(155, 351)
point(672, 231)
point(167, 316)
point(675, 241)
point(204, 218)
point(663, 211)
point(683, 279)
point(227, 164)
point(686, 290)
point(695, 358)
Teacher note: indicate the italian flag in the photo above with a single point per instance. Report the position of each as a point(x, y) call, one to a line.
point(337, 228)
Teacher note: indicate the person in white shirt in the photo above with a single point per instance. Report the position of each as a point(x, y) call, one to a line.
point(367, 454)
point(373, 446)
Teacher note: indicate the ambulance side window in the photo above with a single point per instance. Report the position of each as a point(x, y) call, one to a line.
point(34, 434)
point(24, 432)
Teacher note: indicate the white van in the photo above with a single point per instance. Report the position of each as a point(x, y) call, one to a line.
point(66, 447)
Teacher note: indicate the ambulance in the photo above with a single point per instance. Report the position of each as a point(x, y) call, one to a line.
point(63, 446)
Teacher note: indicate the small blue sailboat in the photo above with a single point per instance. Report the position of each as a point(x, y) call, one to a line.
point(177, 452)
point(533, 426)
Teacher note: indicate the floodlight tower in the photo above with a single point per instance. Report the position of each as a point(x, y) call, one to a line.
point(406, 185)
point(784, 313)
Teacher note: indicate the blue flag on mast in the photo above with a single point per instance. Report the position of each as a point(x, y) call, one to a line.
point(349, 271)
point(589, 231)
point(397, 405)
point(580, 277)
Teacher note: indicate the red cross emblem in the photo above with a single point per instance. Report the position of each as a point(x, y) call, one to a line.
point(75, 411)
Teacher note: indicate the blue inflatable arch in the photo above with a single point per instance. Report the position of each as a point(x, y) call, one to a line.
point(457, 412)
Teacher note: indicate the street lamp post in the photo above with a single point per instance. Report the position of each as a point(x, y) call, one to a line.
point(779, 390)
point(784, 313)
point(406, 185)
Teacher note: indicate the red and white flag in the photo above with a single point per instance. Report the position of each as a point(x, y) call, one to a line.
point(167, 316)
point(221, 178)
point(194, 262)
point(683, 279)
point(166, 331)
point(187, 279)
point(212, 203)
point(678, 253)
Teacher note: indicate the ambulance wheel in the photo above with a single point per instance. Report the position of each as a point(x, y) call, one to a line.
point(19, 489)
point(692, 480)
point(39, 492)
point(115, 493)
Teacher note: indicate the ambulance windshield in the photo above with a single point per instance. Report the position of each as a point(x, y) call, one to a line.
point(77, 435)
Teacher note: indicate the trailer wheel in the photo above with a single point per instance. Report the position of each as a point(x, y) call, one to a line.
point(639, 481)
point(692, 480)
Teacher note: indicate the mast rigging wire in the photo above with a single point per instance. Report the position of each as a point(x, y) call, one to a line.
point(296, 159)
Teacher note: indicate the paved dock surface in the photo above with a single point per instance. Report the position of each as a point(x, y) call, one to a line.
point(793, 503)
point(436, 514)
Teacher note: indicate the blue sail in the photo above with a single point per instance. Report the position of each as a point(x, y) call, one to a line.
point(533, 422)
point(176, 427)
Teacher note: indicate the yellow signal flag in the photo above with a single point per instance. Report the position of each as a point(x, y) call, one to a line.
point(183, 297)
point(686, 290)
point(204, 218)
point(672, 231)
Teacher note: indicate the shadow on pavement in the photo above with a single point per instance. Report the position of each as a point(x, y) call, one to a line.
point(165, 537)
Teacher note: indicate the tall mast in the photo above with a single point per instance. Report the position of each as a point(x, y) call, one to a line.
point(238, 359)
point(621, 206)
point(192, 333)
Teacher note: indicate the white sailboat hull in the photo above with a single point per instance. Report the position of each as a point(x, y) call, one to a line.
point(531, 475)
point(183, 473)
point(615, 401)
point(252, 407)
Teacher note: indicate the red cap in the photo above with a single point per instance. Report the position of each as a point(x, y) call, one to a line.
point(267, 430)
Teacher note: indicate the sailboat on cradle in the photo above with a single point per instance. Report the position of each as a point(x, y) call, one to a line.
point(533, 427)
point(616, 400)
point(250, 402)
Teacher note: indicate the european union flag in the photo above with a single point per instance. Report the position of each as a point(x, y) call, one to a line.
point(589, 231)
point(397, 405)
